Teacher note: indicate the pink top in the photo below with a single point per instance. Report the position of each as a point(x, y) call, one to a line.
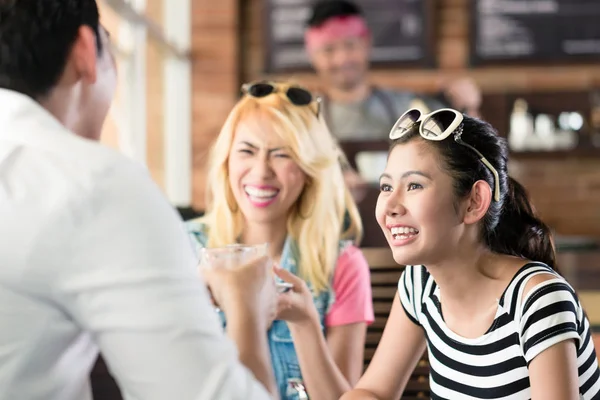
point(352, 288)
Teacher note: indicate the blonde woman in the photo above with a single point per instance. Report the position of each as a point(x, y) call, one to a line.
point(274, 176)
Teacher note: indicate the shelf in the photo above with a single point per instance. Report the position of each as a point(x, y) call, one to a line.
point(583, 152)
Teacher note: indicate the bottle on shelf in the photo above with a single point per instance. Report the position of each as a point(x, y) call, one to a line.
point(521, 136)
point(545, 131)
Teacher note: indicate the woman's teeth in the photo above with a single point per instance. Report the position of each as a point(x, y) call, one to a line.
point(403, 232)
point(260, 194)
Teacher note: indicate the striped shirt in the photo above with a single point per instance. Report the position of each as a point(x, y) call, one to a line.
point(494, 366)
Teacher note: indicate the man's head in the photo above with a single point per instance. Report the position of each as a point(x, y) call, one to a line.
point(56, 52)
point(338, 42)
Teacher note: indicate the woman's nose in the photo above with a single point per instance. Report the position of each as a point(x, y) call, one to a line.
point(395, 205)
point(263, 168)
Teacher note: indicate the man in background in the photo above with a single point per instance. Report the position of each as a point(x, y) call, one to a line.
point(338, 42)
point(93, 256)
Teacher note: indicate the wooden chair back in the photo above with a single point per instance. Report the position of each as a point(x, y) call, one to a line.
point(385, 274)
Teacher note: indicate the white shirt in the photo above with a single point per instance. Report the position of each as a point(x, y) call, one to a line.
point(94, 258)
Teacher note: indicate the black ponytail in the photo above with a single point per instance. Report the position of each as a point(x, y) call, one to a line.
point(519, 231)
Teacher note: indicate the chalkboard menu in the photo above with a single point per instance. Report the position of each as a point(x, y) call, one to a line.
point(401, 32)
point(534, 30)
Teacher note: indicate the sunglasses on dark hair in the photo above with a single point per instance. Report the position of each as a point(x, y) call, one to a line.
point(437, 126)
point(295, 94)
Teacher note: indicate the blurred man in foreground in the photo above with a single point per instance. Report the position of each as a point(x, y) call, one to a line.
point(94, 259)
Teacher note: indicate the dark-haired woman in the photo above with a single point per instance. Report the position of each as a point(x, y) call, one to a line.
point(481, 290)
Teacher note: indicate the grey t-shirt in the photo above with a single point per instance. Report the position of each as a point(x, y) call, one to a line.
point(372, 118)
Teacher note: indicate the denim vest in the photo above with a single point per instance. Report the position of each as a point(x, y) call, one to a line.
point(283, 353)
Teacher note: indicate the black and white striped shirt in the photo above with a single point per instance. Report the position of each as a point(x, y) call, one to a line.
point(494, 366)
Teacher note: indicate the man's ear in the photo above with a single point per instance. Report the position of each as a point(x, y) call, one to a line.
point(84, 54)
point(477, 202)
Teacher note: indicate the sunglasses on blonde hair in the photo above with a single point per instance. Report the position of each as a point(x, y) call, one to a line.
point(295, 94)
point(437, 126)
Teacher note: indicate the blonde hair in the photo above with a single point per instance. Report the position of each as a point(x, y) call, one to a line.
point(318, 214)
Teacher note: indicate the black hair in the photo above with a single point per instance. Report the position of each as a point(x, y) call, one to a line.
point(510, 225)
point(36, 37)
point(325, 9)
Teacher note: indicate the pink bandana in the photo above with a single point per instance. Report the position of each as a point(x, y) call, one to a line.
point(335, 28)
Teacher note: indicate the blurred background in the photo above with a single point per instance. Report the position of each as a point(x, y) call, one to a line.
point(536, 63)
point(181, 65)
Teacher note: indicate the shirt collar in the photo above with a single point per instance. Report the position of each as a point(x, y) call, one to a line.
point(17, 109)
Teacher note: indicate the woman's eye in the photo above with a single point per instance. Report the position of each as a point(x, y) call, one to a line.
point(384, 187)
point(414, 186)
point(282, 155)
point(245, 151)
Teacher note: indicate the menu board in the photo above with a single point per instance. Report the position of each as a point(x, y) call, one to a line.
point(534, 30)
point(401, 31)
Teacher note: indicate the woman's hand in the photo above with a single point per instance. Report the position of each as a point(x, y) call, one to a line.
point(295, 306)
